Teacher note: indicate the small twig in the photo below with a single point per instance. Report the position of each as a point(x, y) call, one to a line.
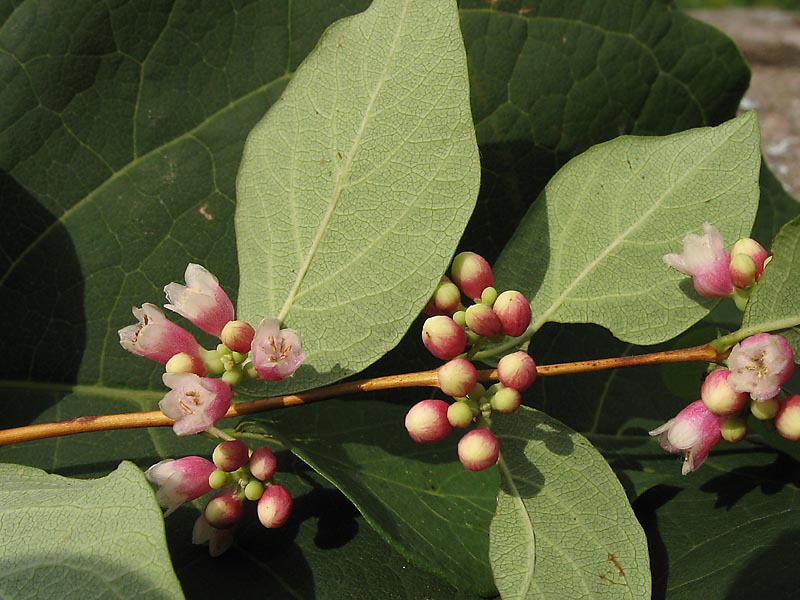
point(705, 353)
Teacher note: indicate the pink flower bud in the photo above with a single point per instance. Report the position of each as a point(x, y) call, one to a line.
point(754, 250)
point(514, 313)
point(787, 421)
point(743, 271)
point(276, 353)
point(443, 337)
point(506, 400)
point(180, 481)
point(202, 301)
point(692, 432)
point(218, 540)
point(760, 365)
point(447, 297)
point(156, 337)
point(517, 371)
point(482, 320)
point(185, 363)
point(478, 449)
point(718, 395)
point(238, 336)
point(224, 510)
point(230, 455)
point(263, 463)
point(472, 274)
point(275, 506)
point(195, 403)
point(704, 260)
point(426, 421)
point(457, 378)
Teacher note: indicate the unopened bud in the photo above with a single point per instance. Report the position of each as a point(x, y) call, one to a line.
point(787, 420)
point(459, 414)
point(263, 463)
point(482, 320)
point(447, 297)
point(743, 271)
point(223, 510)
point(506, 400)
point(517, 370)
point(458, 377)
point(719, 397)
point(253, 490)
point(754, 250)
point(427, 421)
point(734, 428)
point(489, 296)
point(443, 337)
point(478, 449)
point(513, 311)
point(230, 455)
point(185, 363)
point(218, 479)
point(238, 336)
point(275, 506)
point(472, 274)
point(212, 361)
point(764, 410)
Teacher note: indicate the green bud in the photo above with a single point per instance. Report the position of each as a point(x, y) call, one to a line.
point(460, 317)
point(222, 349)
point(218, 480)
point(764, 410)
point(253, 490)
point(733, 428)
point(459, 414)
point(233, 377)
point(239, 357)
point(488, 296)
point(250, 371)
point(212, 361)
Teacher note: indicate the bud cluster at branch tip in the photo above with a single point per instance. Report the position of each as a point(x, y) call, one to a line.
point(467, 313)
point(201, 380)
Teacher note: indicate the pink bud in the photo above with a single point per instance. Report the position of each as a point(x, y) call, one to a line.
point(156, 337)
point(195, 403)
point(426, 421)
point(230, 455)
point(443, 337)
point(447, 297)
point(517, 371)
point(458, 377)
point(754, 250)
point(275, 506)
point(185, 363)
point(514, 312)
point(704, 260)
point(238, 336)
point(276, 353)
point(263, 463)
point(180, 481)
point(478, 449)
point(787, 421)
point(482, 320)
point(472, 274)
point(743, 271)
point(202, 301)
point(693, 432)
point(719, 397)
point(760, 365)
point(224, 510)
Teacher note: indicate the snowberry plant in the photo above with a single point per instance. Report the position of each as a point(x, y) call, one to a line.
point(479, 299)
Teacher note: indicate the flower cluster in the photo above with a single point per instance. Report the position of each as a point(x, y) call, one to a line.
point(454, 333)
point(238, 475)
point(716, 273)
point(197, 399)
point(757, 367)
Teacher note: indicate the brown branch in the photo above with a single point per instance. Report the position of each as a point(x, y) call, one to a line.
point(704, 353)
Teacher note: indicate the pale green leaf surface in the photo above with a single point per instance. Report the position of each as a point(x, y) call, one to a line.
point(775, 302)
point(591, 248)
point(356, 186)
point(82, 539)
point(588, 541)
point(417, 496)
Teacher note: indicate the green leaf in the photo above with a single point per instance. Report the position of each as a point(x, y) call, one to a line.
point(588, 541)
point(355, 188)
point(775, 208)
point(775, 302)
point(591, 247)
point(96, 538)
point(727, 531)
point(417, 496)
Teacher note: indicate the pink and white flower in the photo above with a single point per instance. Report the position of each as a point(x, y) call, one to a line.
point(218, 540)
point(195, 403)
point(180, 481)
point(760, 365)
point(704, 260)
point(692, 432)
point(156, 337)
point(276, 352)
point(202, 301)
